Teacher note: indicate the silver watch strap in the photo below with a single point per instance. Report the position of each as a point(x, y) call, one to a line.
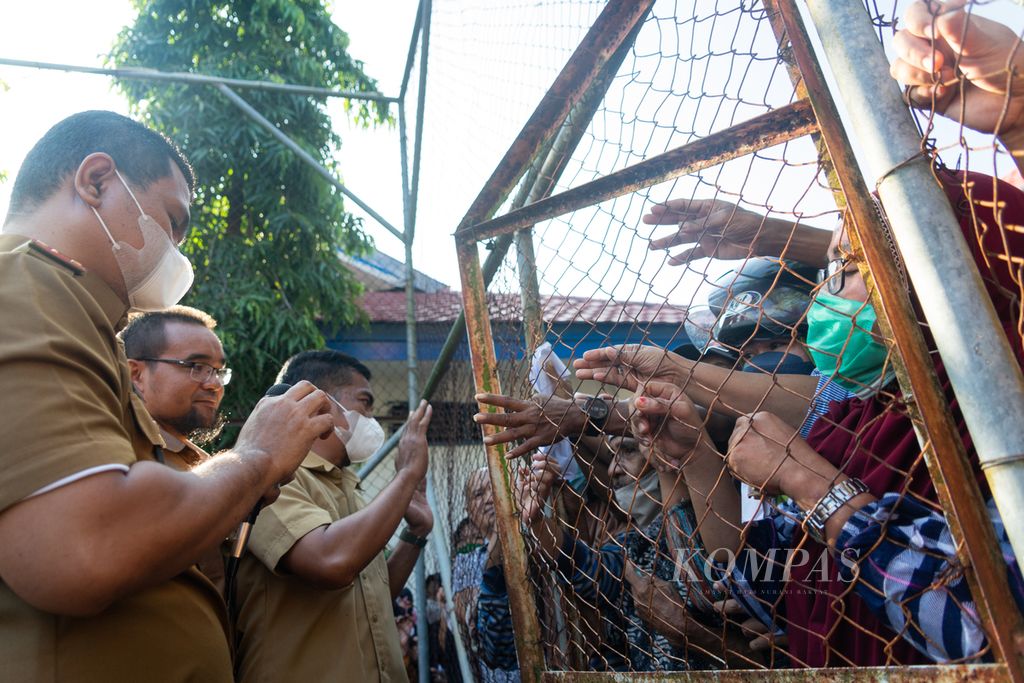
point(837, 496)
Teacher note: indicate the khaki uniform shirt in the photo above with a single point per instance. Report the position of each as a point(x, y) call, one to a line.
point(293, 631)
point(67, 409)
point(183, 455)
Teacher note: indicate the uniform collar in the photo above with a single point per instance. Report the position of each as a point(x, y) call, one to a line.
point(315, 463)
point(177, 445)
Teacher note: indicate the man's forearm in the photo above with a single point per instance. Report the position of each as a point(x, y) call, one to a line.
point(715, 501)
point(342, 549)
point(548, 533)
point(733, 393)
point(154, 520)
point(796, 241)
point(400, 565)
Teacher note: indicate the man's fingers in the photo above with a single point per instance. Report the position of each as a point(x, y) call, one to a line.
point(739, 431)
point(501, 401)
point(675, 210)
point(300, 390)
point(946, 18)
point(425, 412)
point(596, 358)
point(504, 436)
point(499, 419)
point(687, 255)
point(730, 607)
point(916, 52)
point(322, 425)
point(671, 240)
point(314, 402)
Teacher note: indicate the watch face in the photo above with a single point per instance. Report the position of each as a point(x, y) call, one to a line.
point(597, 409)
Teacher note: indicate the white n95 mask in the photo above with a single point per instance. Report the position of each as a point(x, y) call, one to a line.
point(363, 438)
point(156, 276)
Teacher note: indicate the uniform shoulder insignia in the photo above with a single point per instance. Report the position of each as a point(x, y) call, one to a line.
point(60, 259)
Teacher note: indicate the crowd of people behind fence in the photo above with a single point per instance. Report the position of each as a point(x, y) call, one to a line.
point(754, 497)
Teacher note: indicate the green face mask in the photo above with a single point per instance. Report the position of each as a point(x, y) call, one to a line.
point(841, 345)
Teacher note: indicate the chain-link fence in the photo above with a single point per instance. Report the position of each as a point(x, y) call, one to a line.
point(767, 464)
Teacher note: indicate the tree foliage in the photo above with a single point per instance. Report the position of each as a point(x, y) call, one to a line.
point(267, 228)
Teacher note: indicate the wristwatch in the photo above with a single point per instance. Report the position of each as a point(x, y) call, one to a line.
point(410, 537)
point(838, 496)
point(597, 411)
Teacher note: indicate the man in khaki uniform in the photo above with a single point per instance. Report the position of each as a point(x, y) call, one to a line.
point(98, 540)
point(315, 590)
point(179, 371)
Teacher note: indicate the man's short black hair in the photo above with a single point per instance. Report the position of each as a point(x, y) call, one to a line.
point(145, 334)
point(143, 156)
point(326, 369)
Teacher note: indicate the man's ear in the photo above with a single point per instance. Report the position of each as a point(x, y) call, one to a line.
point(94, 177)
point(135, 369)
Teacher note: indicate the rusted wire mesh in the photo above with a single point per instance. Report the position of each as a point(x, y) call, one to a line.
point(666, 483)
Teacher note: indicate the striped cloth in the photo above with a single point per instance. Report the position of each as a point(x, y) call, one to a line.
point(826, 393)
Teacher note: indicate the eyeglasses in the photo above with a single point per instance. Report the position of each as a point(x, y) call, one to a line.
point(834, 274)
point(199, 372)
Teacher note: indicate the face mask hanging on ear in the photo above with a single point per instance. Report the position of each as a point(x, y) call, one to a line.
point(156, 276)
point(363, 438)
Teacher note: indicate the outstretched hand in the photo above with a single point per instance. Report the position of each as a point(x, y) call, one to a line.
point(718, 229)
point(630, 365)
point(538, 421)
point(940, 43)
point(534, 485)
point(669, 423)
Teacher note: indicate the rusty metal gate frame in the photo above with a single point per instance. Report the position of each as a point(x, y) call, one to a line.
point(814, 113)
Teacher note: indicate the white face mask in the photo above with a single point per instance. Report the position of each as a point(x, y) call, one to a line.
point(363, 438)
point(156, 276)
point(641, 499)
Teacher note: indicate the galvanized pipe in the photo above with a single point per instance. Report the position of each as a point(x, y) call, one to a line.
point(140, 73)
point(944, 450)
point(981, 366)
point(305, 156)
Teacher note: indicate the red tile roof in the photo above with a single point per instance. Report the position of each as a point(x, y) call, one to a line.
point(445, 306)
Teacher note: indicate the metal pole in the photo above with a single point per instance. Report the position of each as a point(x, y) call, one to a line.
point(409, 193)
point(416, 25)
point(421, 100)
point(304, 155)
point(140, 73)
point(944, 450)
point(767, 130)
point(382, 452)
point(981, 366)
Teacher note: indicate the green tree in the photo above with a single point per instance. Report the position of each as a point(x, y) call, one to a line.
point(267, 229)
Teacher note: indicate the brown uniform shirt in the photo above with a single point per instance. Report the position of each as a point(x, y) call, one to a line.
point(67, 408)
point(293, 631)
point(183, 455)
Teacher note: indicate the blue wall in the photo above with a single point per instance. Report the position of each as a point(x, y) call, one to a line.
point(386, 341)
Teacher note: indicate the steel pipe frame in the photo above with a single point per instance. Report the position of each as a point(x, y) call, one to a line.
point(305, 156)
point(773, 128)
point(979, 362)
point(953, 673)
point(944, 451)
point(140, 73)
point(615, 23)
point(421, 31)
